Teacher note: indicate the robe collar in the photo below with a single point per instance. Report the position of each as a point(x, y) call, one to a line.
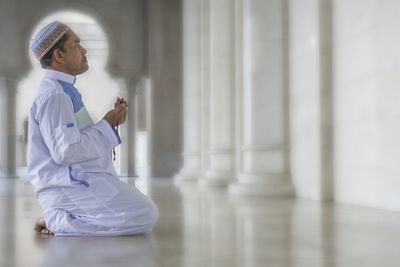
point(58, 75)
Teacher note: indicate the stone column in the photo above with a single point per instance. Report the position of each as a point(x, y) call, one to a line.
point(219, 98)
point(128, 146)
point(192, 34)
point(326, 99)
point(262, 92)
point(8, 92)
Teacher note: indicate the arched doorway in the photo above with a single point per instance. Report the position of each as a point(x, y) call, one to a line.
point(145, 52)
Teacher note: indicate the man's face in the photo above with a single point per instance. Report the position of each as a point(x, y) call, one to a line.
point(75, 60)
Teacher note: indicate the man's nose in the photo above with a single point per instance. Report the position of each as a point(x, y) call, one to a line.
point(84, 51)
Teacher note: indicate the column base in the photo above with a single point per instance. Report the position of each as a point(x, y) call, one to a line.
point(126, 175)
point(216, 179)
point(275, 185)
point(14, 176)
point(186, 177)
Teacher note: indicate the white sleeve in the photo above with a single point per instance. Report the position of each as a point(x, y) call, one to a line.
point(66, 143)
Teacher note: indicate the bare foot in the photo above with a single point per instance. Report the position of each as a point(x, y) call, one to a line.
point(40, 227)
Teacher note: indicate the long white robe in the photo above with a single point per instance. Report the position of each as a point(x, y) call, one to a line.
point(70, 168)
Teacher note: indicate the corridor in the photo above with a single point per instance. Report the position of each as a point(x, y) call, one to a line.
point(266, 131)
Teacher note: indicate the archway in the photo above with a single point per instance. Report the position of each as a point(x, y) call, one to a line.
point(145, 51)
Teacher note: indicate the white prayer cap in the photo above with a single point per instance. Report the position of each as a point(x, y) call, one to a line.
point(48, 37)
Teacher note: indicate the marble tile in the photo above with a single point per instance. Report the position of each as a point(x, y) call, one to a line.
point(199, 227)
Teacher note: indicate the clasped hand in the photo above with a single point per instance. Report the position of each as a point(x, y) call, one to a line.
point(117, 115)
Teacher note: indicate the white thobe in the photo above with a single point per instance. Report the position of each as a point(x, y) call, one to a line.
point(70, 167)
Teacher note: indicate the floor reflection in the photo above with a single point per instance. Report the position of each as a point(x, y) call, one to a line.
point(225, 230)
point(264, 230)
point(206, 227)
point(99, 251)
point(7, 220)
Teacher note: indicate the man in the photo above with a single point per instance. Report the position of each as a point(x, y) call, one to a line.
point(68, 155)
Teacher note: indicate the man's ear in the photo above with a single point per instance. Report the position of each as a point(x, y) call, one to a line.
point(58, 56)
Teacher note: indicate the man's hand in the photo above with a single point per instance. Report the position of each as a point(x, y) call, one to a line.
point(117, 115)
point(120, 101)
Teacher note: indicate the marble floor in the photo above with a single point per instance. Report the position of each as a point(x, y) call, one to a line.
point(209, 228)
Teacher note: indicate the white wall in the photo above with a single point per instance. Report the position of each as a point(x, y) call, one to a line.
point(366, 93)
point(367, 96)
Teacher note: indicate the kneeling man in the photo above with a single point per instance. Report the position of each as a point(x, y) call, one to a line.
point(68, 155)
